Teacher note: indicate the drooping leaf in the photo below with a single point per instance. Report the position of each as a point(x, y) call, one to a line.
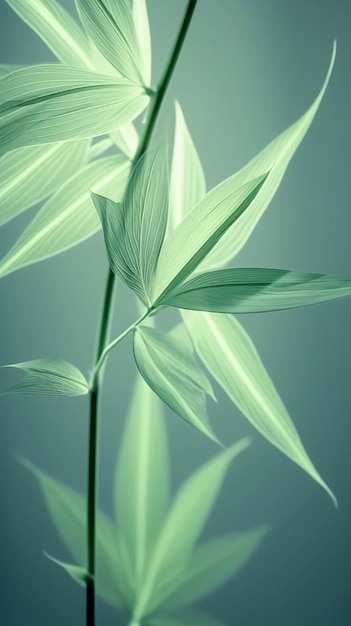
point(197, 234)
point(185, 618)
point(67, 509)
point(186, 519)
point(210, 565)
point(48, 103)
point(254, 290)
point(232, 359)
point(68, 217)
point(275, 158)
point(173, 375)
point(142, 31)
point(29, 175)
point(57, 29)
point(187, 184)
point(126, 138)
point(142, 483)
point(79, 574)
point(110, 25)
point(44, 377)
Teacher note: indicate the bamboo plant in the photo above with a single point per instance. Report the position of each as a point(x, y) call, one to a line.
point(172, 243)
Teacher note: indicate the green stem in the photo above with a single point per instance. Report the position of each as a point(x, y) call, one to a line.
point(102, 349)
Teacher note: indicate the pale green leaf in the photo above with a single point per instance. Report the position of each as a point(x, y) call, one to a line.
point(110, 26)
point(187, 184)
point(57, 29)
point(275, 158)
point(142, 481)
point(197, 234)
point(254, 290)
point(50, 377)
point(99, 147)
point(186, 519)
point(48, 103)
point(185, 618)
point(68, 217)
point(67, 509)
point(173, 375)
point(210, 565)
point(29, 175)
point(142, 30)
point(127, 139)
point(7, 68)
point(232, 359)
point(180, 335)
point(79, 574)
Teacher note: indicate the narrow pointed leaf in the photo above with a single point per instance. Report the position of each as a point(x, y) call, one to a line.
point(28, 175)
point(48, 103)
point(110, 25)
point(231, 357)
point(67, 509)
point(211, 565)
point(275, 158)
point(142, 31)
point(79, 574)
point(142, 478)
point(68, 217)
point(170, 373)
point(187, 184)
point(186, 519)
point(254, 290)
point(51, 378)
point(185, 618)
point(197, 234)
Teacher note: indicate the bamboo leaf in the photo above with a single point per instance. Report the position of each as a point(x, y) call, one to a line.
point(210, 565)
point(48, 103)
point(232, 359)
point(110, 26)
point(254, 290)
point(197, 234)
point(142, 31)
point(31, 174)
point(67, 509)
point(186, 519)
point(68, 217)
point(142, 478)
point(79, 574)
point(185, 618)
point(275, 158)
point(51, 378)
point(172, 375)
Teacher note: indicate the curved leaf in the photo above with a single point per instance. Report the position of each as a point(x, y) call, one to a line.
point(7, 68)
point(68, 217)
point(173, 375)
point(186, 519)
point(51, 378)
point(254, 290)
point(29, 175)
point(232, 359)
point(47, 103)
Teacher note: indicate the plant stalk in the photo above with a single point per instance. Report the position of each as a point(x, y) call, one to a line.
point(102, 348)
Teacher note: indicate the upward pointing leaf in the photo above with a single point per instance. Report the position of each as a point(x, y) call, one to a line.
point(47, 103)
point(142, 30)
point(50, 378)
point(142, 481)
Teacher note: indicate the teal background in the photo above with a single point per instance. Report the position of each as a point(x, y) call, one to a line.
point(247, 71)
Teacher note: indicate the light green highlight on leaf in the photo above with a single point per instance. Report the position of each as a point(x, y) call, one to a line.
point(79, 574)
point(28, 175)
point(232, 359)
point(173, 374)
point(142, 31)
point(50, 377)
point(68, 217)
point(48, 103)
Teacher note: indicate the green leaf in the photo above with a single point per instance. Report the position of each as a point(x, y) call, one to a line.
point(51, 378)
point(126, 139)
point(275, 158)
point(110, 25)
point(48, 103)
point(142, 478)
point(68, 217)
point(185, 618)
point(255, 290)
point(7, 68)
point(186, 519)
point(211, 565)
point(57, 29)
point(31, 174)
point(197, 234)
point(142, 31)
point(172, 373)
point(187, 184)
point(67, 509)
point(79, 574)
point(232, 359)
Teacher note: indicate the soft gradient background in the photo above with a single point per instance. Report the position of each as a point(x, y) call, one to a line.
point(249, 68)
